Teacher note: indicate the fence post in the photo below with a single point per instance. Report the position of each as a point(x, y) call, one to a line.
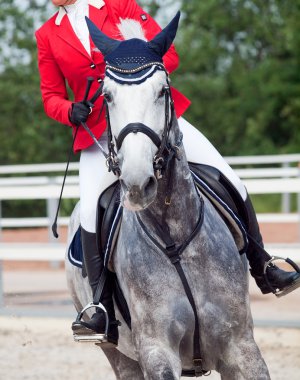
point(286, 197)
point(1, 285)
point(51, 212)
point(1, 220)
point(298, 205)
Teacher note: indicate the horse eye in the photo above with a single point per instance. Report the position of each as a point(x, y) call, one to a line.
point(107, 97)
point(162, 92)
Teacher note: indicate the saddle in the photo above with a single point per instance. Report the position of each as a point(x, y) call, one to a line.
point(209, 181)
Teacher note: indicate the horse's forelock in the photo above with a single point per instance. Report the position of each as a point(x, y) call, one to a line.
point(130, 28)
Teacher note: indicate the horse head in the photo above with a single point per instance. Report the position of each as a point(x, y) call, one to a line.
point(139, 109)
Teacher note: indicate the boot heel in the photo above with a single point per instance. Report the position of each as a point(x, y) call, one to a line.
point(82, 333)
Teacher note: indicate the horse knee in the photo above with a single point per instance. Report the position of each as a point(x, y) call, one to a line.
point(168, 375)
point(159, 362)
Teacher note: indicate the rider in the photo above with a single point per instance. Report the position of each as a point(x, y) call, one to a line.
point(67, 54)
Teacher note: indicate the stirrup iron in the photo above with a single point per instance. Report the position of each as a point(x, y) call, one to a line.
point(96, 337)
point(279, 293)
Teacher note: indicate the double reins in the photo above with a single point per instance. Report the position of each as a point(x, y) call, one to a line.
point(165, 149)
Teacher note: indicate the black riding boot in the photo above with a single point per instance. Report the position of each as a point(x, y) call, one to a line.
point(94, 267)
point(280, 280)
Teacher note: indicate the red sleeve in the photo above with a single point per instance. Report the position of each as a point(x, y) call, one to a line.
point(130, 9)
point(52, 82)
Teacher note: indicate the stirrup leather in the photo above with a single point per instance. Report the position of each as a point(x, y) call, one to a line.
point(279, 293)
point(96, 337)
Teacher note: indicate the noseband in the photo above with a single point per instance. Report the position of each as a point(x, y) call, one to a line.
point(166, 151)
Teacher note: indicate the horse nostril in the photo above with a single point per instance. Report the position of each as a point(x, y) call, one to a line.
point(150, 185)
point(134, 191)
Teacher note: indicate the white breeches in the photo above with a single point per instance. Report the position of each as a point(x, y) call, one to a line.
point(94, 177)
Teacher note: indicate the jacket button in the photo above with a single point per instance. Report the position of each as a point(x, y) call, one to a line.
point(92, 66)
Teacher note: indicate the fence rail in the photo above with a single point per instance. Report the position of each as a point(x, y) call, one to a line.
point(267, 175)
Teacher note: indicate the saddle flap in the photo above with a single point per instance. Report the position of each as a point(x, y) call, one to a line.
point(109, 212)
point(106, 208)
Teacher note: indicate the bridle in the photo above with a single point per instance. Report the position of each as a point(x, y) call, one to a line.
point(165, 150)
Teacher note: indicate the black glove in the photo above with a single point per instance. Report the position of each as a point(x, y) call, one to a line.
point(79, 113)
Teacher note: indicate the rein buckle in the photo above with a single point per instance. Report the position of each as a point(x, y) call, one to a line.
point(158, 164)
point(113, 165)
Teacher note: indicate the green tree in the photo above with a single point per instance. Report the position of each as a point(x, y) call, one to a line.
point(240, 67)
point(26, 133)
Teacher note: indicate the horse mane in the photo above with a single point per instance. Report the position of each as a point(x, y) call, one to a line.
point(130, 28)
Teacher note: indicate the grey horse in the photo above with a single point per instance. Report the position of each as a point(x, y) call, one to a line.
point(160, 343)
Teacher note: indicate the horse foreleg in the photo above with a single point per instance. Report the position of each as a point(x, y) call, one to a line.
point(243, 361)
point(157, 360)
point(123, 367)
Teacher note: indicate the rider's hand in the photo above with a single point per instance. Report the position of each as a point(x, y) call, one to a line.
point(79, 113)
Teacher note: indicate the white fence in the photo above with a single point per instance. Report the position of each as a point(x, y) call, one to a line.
point(279, 174)
point(267, 175)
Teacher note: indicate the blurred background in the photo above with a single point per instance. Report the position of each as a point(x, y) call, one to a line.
point(240, 66)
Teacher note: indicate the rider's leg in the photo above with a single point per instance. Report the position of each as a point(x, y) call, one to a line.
point(93, 179)
point(200, 150)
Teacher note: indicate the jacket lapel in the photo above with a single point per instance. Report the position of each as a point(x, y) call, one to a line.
point(98, 16)
point(66, 32)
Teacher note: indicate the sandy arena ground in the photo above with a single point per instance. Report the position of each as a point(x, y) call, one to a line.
point(43, 349)
point(33, 348)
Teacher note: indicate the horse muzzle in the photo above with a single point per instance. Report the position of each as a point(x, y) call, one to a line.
point(138, 197)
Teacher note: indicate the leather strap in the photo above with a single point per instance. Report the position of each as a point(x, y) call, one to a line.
point(100, 286)
point(173, 253)
point(135, 128)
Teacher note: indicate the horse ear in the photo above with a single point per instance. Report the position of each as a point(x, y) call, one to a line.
point(162, 41)
point(104, 43)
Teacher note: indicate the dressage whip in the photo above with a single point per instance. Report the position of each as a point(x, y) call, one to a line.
point(89, 103)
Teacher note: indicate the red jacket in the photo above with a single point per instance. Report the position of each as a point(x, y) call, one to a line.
point(62, 58)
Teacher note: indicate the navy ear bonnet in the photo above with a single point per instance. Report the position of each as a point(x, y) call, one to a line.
point(133, 61)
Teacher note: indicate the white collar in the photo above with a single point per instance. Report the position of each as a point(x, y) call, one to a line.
point(61, 12)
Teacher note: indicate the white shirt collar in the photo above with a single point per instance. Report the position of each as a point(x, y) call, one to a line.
point(61, 12)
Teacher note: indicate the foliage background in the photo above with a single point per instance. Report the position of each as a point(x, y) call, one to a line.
point(240, 66)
